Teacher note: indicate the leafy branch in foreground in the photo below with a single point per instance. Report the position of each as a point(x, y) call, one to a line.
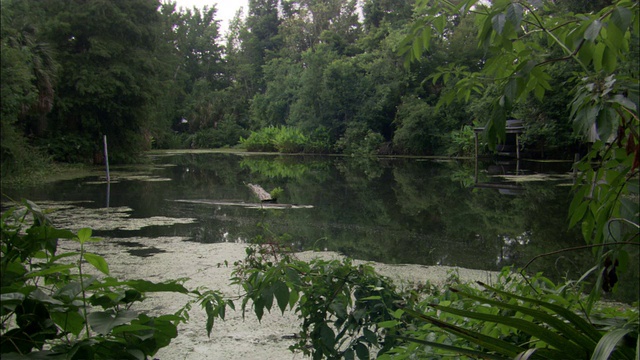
point(515, 320)
point(340, 304)
point(349, 311)
point(53, 305)
point(524, 39)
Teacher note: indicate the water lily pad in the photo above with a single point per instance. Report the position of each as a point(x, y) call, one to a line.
point(72, 216)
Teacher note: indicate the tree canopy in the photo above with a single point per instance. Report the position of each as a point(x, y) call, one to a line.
point(147, 74)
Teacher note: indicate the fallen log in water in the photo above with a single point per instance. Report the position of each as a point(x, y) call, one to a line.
point(260, 205)
point(261, 193)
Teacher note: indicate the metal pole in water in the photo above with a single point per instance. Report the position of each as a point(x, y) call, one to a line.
point(106, 158)
point(106, 161)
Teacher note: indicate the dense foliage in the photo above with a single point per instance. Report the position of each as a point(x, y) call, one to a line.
point(310, 75)
point(146, 74)
point(598, 47)
point(66, 305)
point(349, 311)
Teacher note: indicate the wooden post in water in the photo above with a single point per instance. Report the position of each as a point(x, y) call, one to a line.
point(475, 173)
point(106, 161)
point(106, 158)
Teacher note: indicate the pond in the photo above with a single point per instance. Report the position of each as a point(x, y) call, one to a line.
point(392, 210)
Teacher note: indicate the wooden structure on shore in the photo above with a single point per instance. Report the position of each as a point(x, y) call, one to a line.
point(511, 127)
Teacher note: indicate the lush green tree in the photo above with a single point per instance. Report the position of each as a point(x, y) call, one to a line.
point(549, 131)
point(29, 75)
point(258, 40)
point(263, 22)
point(417, 127)
point(107, 75)
point(307, 110)
point(137, 69)
point(243, 77)
point(283, 78)
point(167, 106)
point(394, 12)
point(251, 44)
point(200, 73)
point(197, 88)
point(307, 23)
point(197, 35)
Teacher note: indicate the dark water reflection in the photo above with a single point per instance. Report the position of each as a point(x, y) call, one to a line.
point(389, 210)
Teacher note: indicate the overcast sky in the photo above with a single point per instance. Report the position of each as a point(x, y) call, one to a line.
point(226, 9)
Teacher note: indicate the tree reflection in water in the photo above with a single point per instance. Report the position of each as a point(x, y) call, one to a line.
point(398, 210)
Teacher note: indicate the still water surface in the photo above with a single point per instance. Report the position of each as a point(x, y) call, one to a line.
point(389, 210)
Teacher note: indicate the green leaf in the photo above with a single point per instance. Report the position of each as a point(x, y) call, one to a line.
point(65, 255)
point(267, 296)
point(623, 259)
point(598, 54)
point(608, 343)
point(69, 292)
point(498, 22)
point(575, 320)
point(258, 307)
point(514, 14)
point(605, 123)
point(609, 60)
point(578, 198)
point(131, 296)
point(362, 351)
point(164, 329)
point(281, 292)
point(565, 329)
point(484, 35)
point(621, 18)
point(624, 101)
point(48, 232)
point(327, 335)
point(132, 328)
point(426, 39)
point(371, 337)
point(473, 354)
point(84, 235)
point(586, 52)
point(615, 39)
point(210, 317)
point(348, 355)
point(417, 48)
point(593, 30)
point(103, 322)
point(388, 324)
point(98, 262)
point(529, 327)
point(526, 355)
point(439, 23)
point(293, 298)
point(50, 270)
point(14, 298)
point(578, 214)
point(70, 321)
point(502, 347)
point(293, 276)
